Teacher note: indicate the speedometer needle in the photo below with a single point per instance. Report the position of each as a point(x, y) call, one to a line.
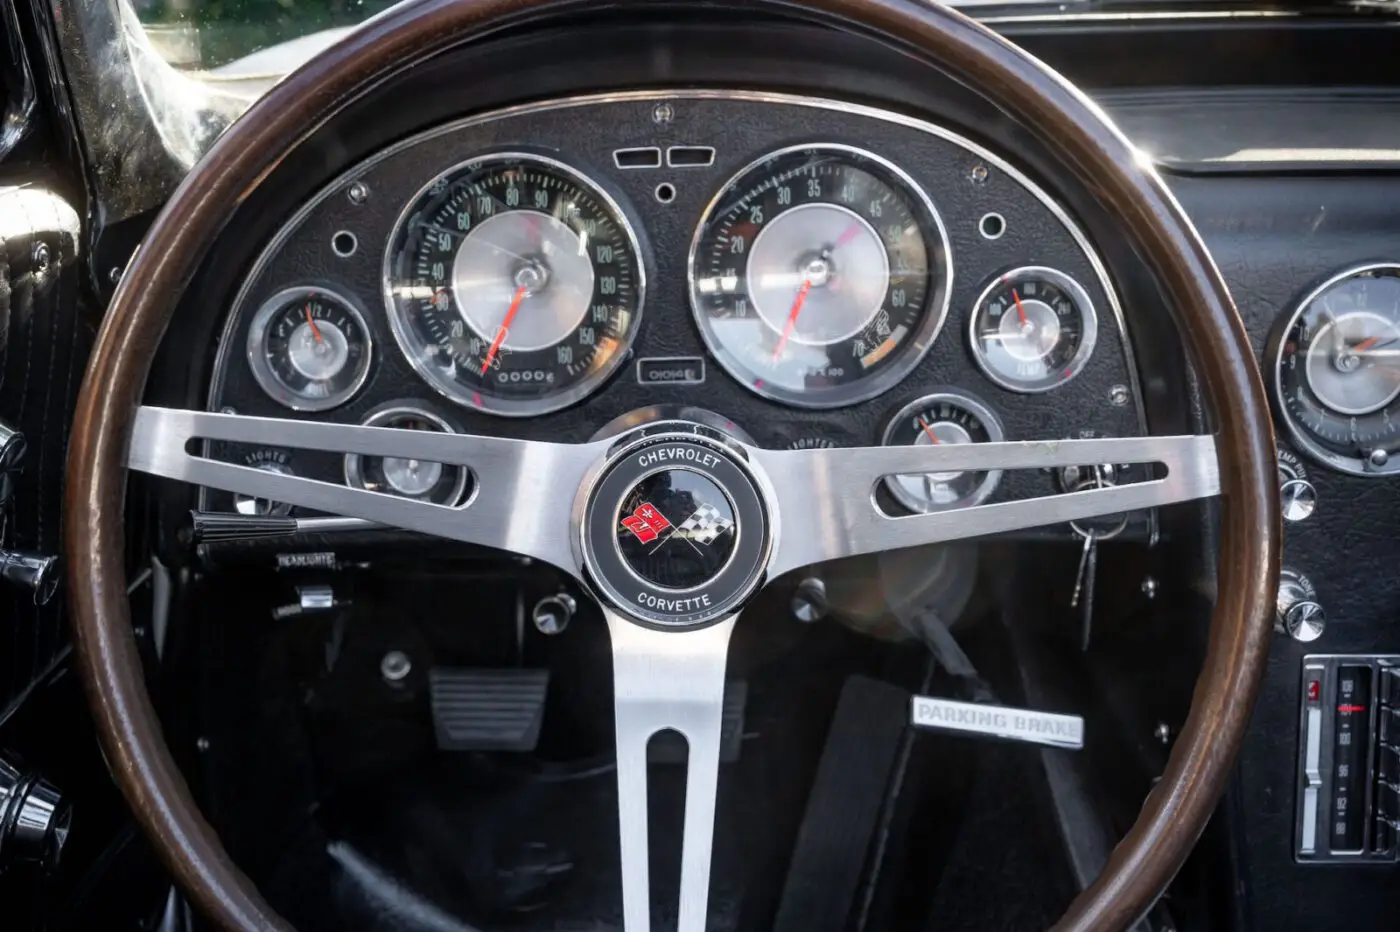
point(504, 328)
point(792, 317)
point(311, 321)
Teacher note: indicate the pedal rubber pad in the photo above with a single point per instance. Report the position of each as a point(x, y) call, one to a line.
point(843, 808)
point(487, 710)
point(669, 747)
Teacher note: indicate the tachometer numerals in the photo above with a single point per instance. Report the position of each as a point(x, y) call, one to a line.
point(1033, 329)
point(818, 276)
point(1336, 371)
point(309, 348)
point(515, 284)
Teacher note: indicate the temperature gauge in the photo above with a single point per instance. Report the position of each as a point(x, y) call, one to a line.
point(309, 348)
point(947, 417)
point(439, 483)
point(1033, 329)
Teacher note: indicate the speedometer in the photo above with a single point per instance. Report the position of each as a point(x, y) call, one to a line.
point(514, 284)
point(819, 276)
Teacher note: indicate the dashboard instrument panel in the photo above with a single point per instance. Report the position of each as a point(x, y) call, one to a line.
point(825, 269)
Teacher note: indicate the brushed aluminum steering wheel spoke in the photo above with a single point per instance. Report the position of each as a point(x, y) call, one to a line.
point(667, 680)
point(522, 491)
point(827, 508)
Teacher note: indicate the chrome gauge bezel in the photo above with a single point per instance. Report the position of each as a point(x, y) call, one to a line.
point(508, 407)
point(1297, 434)
point(975, 406)
point(256, 355)
point(381, 416)
point(1088, 339)
point(935, 312)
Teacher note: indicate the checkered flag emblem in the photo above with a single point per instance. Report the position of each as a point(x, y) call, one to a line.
point(705, 525)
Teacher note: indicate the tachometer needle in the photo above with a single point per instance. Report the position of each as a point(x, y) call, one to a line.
point(1020, 311)
point(792, 317)
point(504, 328)
point(929, 430)
point(311, 321)
point(1365, 344)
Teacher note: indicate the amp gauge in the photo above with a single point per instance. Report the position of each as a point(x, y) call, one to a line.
point(439, 483)
point(947, 417)
point(309, 348)
point(1033, 329)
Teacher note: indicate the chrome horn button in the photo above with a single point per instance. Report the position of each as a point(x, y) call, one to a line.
point(675, 531)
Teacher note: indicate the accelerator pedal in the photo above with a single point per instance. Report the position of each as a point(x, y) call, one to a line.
point(843, 810)
point(487, 710)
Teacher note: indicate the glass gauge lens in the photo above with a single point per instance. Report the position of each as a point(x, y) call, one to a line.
point(309, 348)
point(439, 483)
point(1033, 329)
point(1337, 370)
point(819, 276)
point(514, 284)
point(947, 417)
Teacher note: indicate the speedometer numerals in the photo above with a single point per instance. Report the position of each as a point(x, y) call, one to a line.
point(514, 284)
point(1336, 371)
point(819, 276)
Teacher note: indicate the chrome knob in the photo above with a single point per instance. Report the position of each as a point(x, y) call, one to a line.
point(1300, 615)
point(1305, 621)
point(809, 601)
point(32, 571)
point(553, 613)
point(1298, 499)
point(12, 447)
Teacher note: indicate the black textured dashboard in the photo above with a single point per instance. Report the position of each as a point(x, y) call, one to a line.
point(964, 181)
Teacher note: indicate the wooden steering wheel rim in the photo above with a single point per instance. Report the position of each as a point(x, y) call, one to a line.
point(1177, 810)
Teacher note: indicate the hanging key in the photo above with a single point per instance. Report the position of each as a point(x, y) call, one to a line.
point(1087, 557)
point(1101, 529)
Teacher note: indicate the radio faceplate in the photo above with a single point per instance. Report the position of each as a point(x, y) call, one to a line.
point(1348, 804)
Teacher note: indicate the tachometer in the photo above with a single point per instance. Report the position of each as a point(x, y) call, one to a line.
point(1337, 371)
point(514, 284)
point(819, 276)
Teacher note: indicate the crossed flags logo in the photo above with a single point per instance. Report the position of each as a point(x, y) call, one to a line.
point(702, 527)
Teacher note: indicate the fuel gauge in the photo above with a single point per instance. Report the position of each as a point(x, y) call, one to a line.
point(946, 417)
point(309, 348)
point(1033, 329)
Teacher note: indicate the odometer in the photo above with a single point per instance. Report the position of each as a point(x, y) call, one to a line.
point(514, 284)
point(819, 276)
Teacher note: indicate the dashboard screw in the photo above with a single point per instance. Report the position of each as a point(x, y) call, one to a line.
point(1378, 458)
point(979, 174)
point(663, 113)
point(1162, 733)
point(1149, 587)
point(1118, 394)
point(114, 274)
point(395, 666)
point(358, 193)
point(41, 257)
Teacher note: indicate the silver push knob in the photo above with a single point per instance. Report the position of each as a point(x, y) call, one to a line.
point(32, 571)
point(34, 818)
point(1298, 499)
point(1300, 615)
point(553, 613)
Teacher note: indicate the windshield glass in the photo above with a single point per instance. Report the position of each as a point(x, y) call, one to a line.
point(247, 40)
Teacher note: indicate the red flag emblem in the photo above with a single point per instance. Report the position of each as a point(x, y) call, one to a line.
point(646, 522)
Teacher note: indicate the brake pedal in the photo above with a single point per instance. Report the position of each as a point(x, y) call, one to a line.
point(487, 710)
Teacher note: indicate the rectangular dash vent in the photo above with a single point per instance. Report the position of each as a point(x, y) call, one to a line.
point(690, 156)
point(641, 157)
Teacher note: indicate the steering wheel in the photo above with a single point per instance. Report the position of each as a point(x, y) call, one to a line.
point(561, 503)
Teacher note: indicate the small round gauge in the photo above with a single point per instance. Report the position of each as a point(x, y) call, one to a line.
point(1336, 370)
point(514, 284)
point(439, 483)
point(946, 417)
point(309, 348)
point(819, 276)
point(1033, 329)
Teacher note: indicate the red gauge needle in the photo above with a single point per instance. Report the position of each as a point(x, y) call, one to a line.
point(848, 234)
point(1365, 344)
point(1020, 311)
point(315, 331)
point(504, 328)
point(792, 317)
point(929, 430)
